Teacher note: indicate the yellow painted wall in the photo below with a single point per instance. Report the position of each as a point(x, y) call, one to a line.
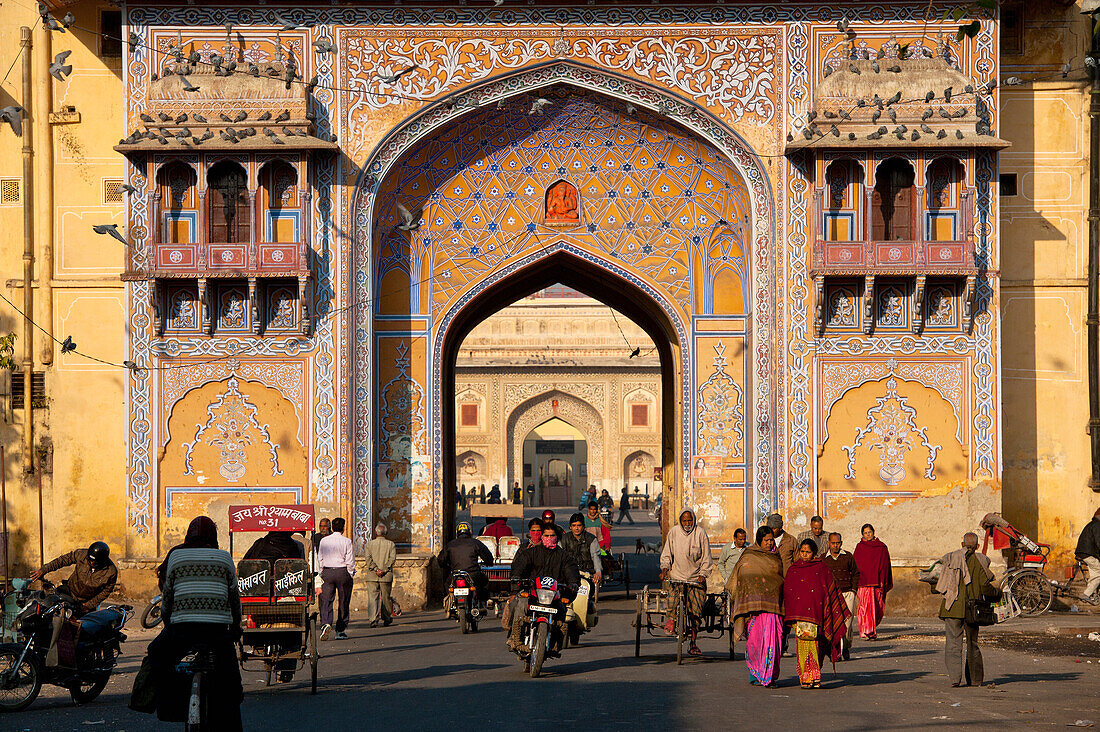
point(1043, 280)
point(83, 486)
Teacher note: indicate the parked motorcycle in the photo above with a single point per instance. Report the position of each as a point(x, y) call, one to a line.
point(462, 602)
point(151, 617)
point(544, 606)
point(87, 651)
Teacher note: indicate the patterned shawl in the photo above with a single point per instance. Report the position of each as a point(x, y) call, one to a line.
point(755, 586)
point(810, 594)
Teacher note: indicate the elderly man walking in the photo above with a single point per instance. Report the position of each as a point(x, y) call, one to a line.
point(381, 556)
point(846, 576)
point(964, 580)
point(785, 544)
point(818, 534)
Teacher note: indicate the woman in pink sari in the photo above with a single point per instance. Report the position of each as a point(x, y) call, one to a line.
point(756, 587)
point(875, 580)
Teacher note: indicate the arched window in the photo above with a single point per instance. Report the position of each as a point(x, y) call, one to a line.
point(227, 203)
point(842, 201)
point(892, 202)
point(279, 201)
point(944, 195)
point(179, 210)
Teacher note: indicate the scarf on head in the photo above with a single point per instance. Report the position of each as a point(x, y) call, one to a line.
point(755, 586)
point(810, 595)
point(873, 562)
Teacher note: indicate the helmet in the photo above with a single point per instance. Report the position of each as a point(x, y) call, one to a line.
point(464, 529)
point(548, 516)
point(99, 553)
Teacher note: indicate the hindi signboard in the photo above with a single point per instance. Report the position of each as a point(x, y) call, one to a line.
point(271, 518)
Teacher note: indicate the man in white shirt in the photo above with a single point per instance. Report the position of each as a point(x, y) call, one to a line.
point(336, 556)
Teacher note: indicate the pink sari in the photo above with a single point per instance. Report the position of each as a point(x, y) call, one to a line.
point(872, 606)
point(764, 647)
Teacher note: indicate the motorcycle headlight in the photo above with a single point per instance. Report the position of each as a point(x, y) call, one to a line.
point(545, 596)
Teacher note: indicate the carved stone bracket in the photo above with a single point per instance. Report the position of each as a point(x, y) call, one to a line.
point(968, 300)
point(819, 304)
point(303, 305)
point(155, 304)
point(918, 305)
point(206, 308)
point(254, 306)
point(868, 303)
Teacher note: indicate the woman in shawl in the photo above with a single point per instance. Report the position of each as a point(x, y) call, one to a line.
point(875, 580)
point(814, 607)
point(756, 587)
point(686, 558)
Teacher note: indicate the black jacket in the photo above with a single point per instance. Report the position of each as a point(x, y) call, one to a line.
point(1089, 543)
point(463, 553)
point(580, 550)
point(538, 561)
point(275, 545)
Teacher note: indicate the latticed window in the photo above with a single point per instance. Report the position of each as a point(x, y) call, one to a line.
point(112, 191)
point(10, 192)
point(892, 202)
point(227, 199)
point(468, 415)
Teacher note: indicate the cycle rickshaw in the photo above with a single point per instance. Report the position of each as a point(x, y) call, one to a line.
point(657, 604)
point(278, 603)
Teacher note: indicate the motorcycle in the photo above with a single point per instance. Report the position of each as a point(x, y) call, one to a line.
point(87, 651)
point(462, 601)
point(150, 618)
point(543, 608)
point(580, 615)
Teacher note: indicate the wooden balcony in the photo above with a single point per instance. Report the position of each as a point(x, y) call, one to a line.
point(862, 258)
point(227, 259)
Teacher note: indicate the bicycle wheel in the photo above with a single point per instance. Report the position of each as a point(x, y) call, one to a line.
point(681, 630)
point(313, 654)
point(1033, 593)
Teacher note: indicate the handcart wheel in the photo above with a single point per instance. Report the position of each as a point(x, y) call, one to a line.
point(1032, 592)
point(681, 631)
point(270, 671)
point(313, 654)
point(626, 577)
point(733, 639)
point(638, 628)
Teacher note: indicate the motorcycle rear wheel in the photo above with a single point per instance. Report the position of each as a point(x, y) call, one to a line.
point(25, 686)
point(463, 623)
point(538, 653)
point(85, 692)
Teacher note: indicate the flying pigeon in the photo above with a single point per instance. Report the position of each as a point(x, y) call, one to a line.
point(393, 78)
point(538, 104)
point(187, 85)
point(323, 46)
point(59, 69)
point(287, 25)
point(110, 230)
point(13, 116)
point(409, 222)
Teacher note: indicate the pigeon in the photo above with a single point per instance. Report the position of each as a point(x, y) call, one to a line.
point(51, 23)
point(145, 118)
point(538, 105)
point(226, 136)
point(13, 116)
point(959, 134)
point(827, 72)
point(874, 136)
point(842, 25)
point(265, 116)
point(894, 99)
point(843, 114)
point(183, 133)
point(311, 85)
point(815, 130)
point(287, 25)
point(188, 86)
point(409, 221)
point(135, 39)
point(230, 68)
point(969, 88)
point(892, 114)
point(205, 136)
point(254, 70)
point(283, 116)
point(68, 20)
point(875, 66)
point(927, 113)
point(225, 117)
point(275, 138)
point(877, 100)
point(194, 58)
point(110, 230)
point(875, 115)
point(68, 345)
point(944, 113)
point(960, 112)
point(393, 78)
point(811, 116)
point(198, 118)
point(807, 133)
point(631, 109)
point(1013, 81)
point(790, 137)
point(59, 69)
point(941, 134)
point(915, 136)
point(163, 117)
point(498, 3)
point(288, 132)
point(854, 69)
point(851, 135)
point(895, 69)
point(881, 53)
point(990, 86)
point(241, 116)
point(861, 103)
point(635, 353)
point(290, 76)
point(323, 46)
point(929, 97)
point(882, 130)
point(829, 114)
point(834, 131)
point(128, 189)
point(947, 93)
point(925, 129)
point(133, 366)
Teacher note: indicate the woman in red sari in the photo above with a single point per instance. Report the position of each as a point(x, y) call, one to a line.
point(875, 580)
point(812, 604)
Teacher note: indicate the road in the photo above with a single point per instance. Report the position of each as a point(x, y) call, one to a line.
point(422, 674)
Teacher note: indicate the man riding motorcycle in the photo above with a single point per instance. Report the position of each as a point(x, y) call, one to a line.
point(91, 582)
point(462, 554)
point(547, 560)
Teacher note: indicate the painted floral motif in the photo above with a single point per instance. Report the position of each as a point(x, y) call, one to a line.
point(182, 310)
point(941, 307)
point(892, 431)
point(842, 309)
point(231, 427)
point(402, 414)
point(721, 411)
point(891, 308)
point(282, 315)
point(232, 314)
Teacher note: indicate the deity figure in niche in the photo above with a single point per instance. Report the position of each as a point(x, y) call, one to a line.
point(561, 203)
point(469, 466)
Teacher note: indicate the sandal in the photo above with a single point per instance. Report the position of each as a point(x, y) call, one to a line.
point(694, 651)
point(670, 626)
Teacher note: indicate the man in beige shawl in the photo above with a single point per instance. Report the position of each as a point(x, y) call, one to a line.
point(965, 576)
point(685, 558)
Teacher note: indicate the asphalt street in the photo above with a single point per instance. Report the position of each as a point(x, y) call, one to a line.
point(422, 674)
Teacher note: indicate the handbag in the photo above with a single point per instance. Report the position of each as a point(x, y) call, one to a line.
point(980, 613)
point(805, 631)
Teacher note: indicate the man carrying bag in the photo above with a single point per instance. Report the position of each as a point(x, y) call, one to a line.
point(965, 583)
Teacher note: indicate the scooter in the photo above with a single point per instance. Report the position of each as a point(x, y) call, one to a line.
point(150, 618)
point(580, 615)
